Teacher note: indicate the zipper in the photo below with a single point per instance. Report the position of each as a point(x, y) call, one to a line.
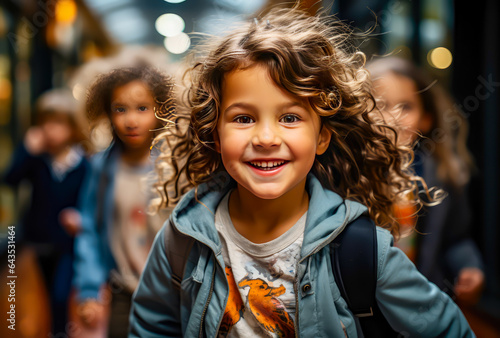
point(208, 302)
point(200, 334)
point(318, 248)
point(221, 315)
point(296, 322)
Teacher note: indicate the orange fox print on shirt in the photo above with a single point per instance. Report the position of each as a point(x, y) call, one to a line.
point(234, 307)
point(267, 308)
point(262, 303)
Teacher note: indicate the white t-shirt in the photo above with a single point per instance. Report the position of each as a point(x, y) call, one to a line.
point(133, 229)
point(261, 300)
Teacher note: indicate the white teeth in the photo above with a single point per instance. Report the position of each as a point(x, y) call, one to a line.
point(266, 165)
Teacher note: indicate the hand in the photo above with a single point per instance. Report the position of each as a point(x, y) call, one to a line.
point(71, 221)
point(91, 312)
point(34, 141)
point(469, 286)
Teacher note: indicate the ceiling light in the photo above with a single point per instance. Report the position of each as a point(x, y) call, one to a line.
point(177, 44)
point(169, 24)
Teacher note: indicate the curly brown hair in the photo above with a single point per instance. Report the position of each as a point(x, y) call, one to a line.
point(311, 58)
point(100, 93)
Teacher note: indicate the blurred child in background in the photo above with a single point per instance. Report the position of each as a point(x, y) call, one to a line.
point(51, 159)
point(116, 231)
point(427, 118)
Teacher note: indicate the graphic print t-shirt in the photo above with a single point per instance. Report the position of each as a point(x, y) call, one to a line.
point(261, 300)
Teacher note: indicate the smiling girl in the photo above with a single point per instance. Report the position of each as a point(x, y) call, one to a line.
point(116, 233)
point(285, 113)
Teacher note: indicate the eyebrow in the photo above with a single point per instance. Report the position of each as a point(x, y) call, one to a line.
point(117, 103)
point(250, 106)
point(120, 103)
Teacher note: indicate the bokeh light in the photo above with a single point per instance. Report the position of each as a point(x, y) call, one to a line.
point(78, 92)
point(65, 11)
point(169, 24)
point(440, 58)
point(177, 44)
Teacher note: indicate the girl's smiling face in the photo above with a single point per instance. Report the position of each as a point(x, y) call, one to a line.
point(132, 114)
point(268, 139)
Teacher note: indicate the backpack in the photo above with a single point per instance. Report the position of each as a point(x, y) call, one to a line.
point(354, 264)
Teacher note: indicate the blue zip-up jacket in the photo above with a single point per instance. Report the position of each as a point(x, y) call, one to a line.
point(410, 303)
point(93, 257)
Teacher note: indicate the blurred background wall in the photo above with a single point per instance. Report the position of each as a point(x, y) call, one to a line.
point(43, 42)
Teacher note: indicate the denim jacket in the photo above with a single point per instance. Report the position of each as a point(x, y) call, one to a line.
point(93, 258)
point(411, 304)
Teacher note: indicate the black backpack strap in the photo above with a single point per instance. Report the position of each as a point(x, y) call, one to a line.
point(354, 263)
point(177, 247)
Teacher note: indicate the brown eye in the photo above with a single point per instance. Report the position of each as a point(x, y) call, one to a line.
point(243, 119)
point(289, 118)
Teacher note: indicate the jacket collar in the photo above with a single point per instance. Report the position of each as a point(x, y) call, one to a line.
point(327, 215)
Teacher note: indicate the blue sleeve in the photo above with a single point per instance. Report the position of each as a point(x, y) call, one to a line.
point(410, 303)
point(155, 308)
point(21, 166)
point(90, 271)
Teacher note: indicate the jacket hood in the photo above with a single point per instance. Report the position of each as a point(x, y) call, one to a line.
point(327, 216)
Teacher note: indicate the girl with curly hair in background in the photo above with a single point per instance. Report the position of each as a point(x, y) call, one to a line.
point(116, 231)
point(428, 119)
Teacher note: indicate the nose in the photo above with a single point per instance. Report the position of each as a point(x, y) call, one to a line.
point(131, 120)
point(266, 136)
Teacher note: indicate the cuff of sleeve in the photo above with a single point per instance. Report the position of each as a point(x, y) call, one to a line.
point(463, 255)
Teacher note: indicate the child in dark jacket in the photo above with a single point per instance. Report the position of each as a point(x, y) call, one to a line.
point(51, 160)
